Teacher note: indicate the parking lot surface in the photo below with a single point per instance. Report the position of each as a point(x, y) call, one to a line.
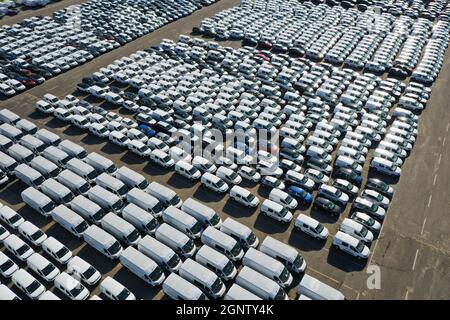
point(412, 250)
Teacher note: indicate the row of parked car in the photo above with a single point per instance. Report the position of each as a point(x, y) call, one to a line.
point(75, 203)
point(39, 48)
point(356, 40)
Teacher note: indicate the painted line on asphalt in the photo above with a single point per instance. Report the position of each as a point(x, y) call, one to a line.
point(448, 125)
point(423, 226)
point(357, 297)
point(439, 160)
point(443, 141)
point(429, 200)
point(406, 294)
point(415, 259)
point(434, 180)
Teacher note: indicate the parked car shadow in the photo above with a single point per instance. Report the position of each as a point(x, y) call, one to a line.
point(111, 148)
point(131, 158)
point(387, 179)
point(54, 123)
point(74, 131)
point(234, 209)
point(91, 139)
point(135, 284)
point(323, 216)
point(344, 262)
point(180, 182)
point(35, 218)
point(11, 193)
point(263, 191)
point(205, 195)
point(100, 262)
point(37, 115)
point(66, 238)
point(304, 242)
point(269, 225)
point(155, 170)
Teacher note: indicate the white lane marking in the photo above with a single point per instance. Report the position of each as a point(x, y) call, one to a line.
point(434, 180)
point(357, 297)
point(423, 226)
point(324, 275)
point(415, 259)
point(406, 294)
point(439, 160)
point(448, 125)
point(443, 141)
point(429, 200)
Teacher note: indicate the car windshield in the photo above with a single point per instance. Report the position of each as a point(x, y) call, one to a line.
point(68, 197)
point(37, 235)
point(81, 227)
point(363, 232)
point(123, 294)
point(117, 205)
point(23, 249)
point(319, 228)
point(84, 188)
point(91, 175)
point(233, 175)
point(251, 238)
point(33, 286)
point(77, 290)
point(214, 220)
point(143, 184)
point(220, 183)
point(196, 228)
point(250, 197)
point(8, 264)
point(188, 246)
point(98, 215)
point(151, 225)
point(111, 168)
point(284, 276)
point(359, 247)
point(38, 181)
point(14, 219)
point(156, 274)
point(236, 250)
point(280, 295)
point(298, 261)
point(374, 207)
point(62, 252)
point(217, 285)
point(122, 190)
point(48, 269)
point(338, 193)
point(174, 261)
point(133, 236)
point(228, 269)
point(114, 248)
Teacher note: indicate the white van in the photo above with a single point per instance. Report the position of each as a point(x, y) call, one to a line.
point(56, 191)
point(69, 220)
point(175, 239)
point(28, 284)
point(243, 196)
point(349, 163)
point(18, 247)
point(203, 278)
point(121, 229)
point(100, 163)
point(317, 290)
point(71, 287)
point(356, 230)
point(145, 201)
point(8, 266)
point(260, 285)
point(56, 155)
point(131, 178)
point(44, 268)
point(276, 211)
point(11, 132)
point(284, 253)
point(311, 227)
point(114, 290)
point(88, 209)
point(7, 294)
point(102, 241)
point(216, 262)
point(45, 167)
point(236, 292)
point(283, 198)
point(10, 217)
point(105, 199)
point(83, 270)
point(178, 288)
point(72, 149)
point(142, 266)
point(74, 182)
point(351, 245)
point(182, 221)
point(38, 201)
point(112, 184)
point(201, 212)
point(187, 170)
point(164, 194)
point(7, 116)
point(160, 253)
point(240, 232)
point(32, 143)
point(20, 153)
point(222, 242)
point(82, 169)
point(8, 164)
point(48, 137)
point(140, 218)
point(213, 182)
point(44, 106)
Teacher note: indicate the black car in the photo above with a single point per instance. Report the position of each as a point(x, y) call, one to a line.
point(349, 175)
point(317, 164)
point(380, 186)
point(324, 204)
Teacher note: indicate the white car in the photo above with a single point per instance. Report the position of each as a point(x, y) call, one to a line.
point(7, 266)
point(28, 284)
point(32, 233)
point(161, 158)
point(334, 194)
point(249, 173)
point(83, 271)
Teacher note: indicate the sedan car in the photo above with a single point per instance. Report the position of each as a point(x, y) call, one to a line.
point(324, 204)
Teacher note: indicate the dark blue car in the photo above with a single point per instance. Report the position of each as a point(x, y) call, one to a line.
point(300, 194)
point(147, 130)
